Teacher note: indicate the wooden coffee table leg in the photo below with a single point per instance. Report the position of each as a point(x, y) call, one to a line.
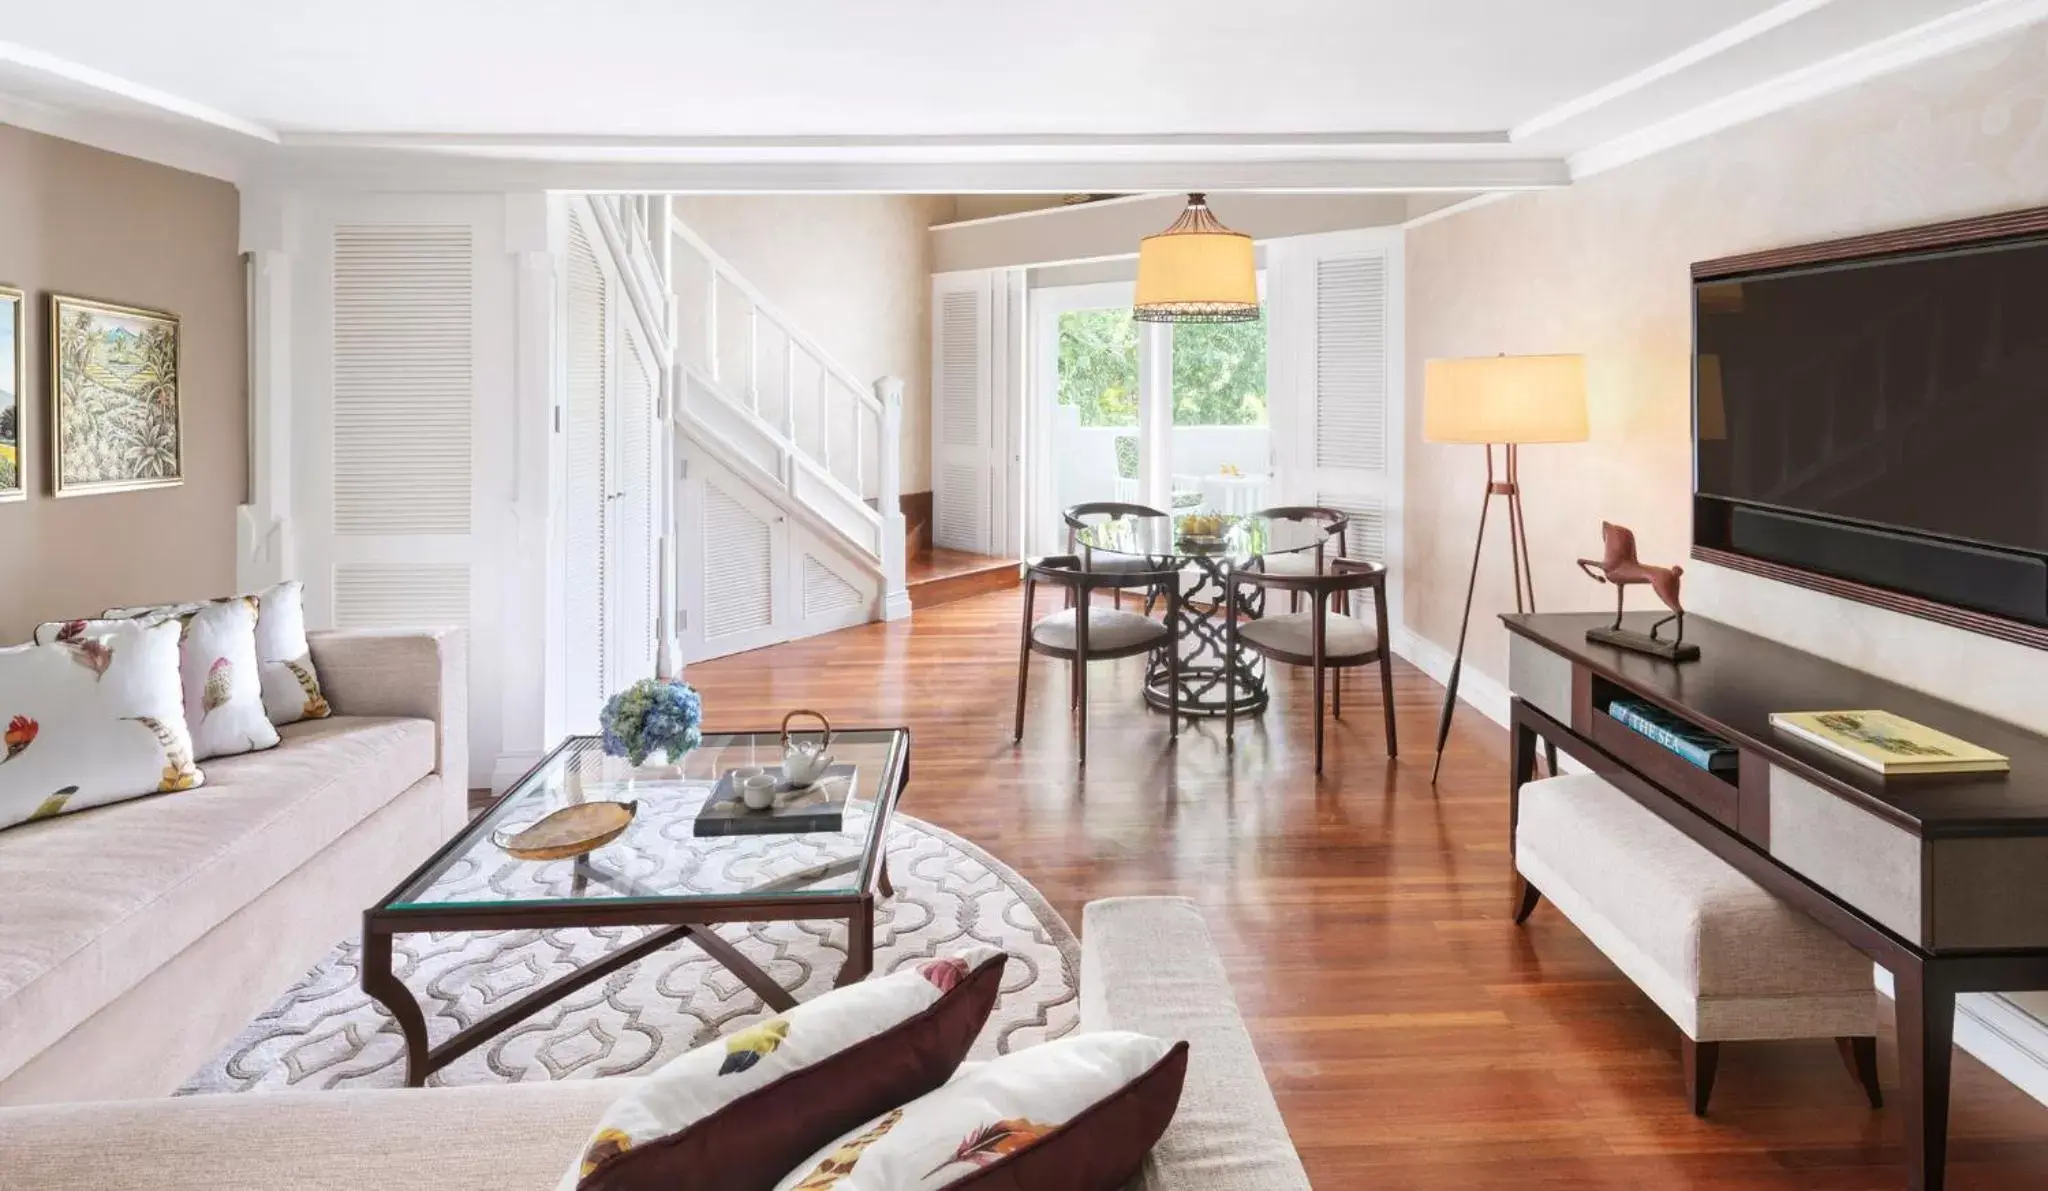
point(860, 943)
point(888, 890)
point(383, 985)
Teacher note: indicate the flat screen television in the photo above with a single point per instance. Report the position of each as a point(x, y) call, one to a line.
point(1878, 424)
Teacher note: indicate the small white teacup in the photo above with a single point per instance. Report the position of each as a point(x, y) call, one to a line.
point(757, 790)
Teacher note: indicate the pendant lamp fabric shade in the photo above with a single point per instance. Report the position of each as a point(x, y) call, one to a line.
point(1505, 399)
point(1196, 271)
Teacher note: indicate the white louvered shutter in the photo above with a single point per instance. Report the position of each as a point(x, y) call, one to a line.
point(586, 481)
point(402, 551)
point(1336, 310)
point(964, 460)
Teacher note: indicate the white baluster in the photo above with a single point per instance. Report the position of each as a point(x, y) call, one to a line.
point(825, 419)
point(888, 500)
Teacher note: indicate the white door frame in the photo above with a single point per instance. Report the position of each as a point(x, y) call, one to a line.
point(1044, 531)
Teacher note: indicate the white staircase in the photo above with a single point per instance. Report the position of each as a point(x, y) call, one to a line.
point(778, 471)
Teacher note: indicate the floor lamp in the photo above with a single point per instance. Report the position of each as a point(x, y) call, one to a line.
point(1508, 401)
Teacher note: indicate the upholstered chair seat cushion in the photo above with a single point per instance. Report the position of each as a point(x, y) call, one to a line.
point(1717, 952)
point(1109, 630)
point(1289, 632)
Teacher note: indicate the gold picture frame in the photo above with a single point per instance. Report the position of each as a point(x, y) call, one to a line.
point(13, 383)
point(116, 420)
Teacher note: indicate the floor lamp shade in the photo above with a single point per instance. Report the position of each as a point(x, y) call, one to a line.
point(1505, 399)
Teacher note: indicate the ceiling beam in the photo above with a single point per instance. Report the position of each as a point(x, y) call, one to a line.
point(126, 92)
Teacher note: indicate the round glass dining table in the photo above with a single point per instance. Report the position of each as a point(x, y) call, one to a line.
point(1209, 559)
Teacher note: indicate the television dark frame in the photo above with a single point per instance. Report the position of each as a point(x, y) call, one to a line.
point(2031, 223)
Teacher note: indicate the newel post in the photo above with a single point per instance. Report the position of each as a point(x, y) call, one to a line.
point(889, 498)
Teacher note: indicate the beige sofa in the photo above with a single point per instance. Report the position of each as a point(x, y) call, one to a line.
point(1148, 964)
point(137, 939)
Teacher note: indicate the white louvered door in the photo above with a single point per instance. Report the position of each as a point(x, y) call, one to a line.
point(735, 546)
point(1336, 309)
point(630, 576)
point(586, 480)
point(610, 582)
point(966, 467)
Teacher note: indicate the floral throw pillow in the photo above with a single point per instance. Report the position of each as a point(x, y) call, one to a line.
point(284, 662)
point(223, 700)
point(91, 718)
point(1079, 1114)
point(731, 1115)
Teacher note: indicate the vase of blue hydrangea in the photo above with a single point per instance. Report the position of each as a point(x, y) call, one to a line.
point(653, 715)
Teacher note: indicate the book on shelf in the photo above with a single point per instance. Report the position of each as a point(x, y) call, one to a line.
point(819, 807)
point(1687, 742)
point(1886, 743)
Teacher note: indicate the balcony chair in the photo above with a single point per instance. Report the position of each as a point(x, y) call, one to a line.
point(1100, 635)
point(1319, 638)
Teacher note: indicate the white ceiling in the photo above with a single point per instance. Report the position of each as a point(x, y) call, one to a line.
point(634, 83)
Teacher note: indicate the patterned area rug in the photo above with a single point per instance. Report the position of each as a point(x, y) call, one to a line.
point(324, 1033)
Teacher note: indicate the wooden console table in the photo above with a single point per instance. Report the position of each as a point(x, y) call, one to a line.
point(1941, 880)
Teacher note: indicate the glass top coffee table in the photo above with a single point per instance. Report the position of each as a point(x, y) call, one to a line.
point(659, 873)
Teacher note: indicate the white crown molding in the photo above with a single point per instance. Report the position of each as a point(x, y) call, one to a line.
point(1776, 16)
point(114, 86)
point(381, 170)
point(181, 147)
point(885, 148)
point(1943, 35)
point(1458, 208)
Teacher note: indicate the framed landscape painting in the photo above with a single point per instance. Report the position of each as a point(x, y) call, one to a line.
point(13, 379)
point(113, 397)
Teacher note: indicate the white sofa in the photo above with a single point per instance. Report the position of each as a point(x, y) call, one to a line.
point(1148, 964)
point(137, 939)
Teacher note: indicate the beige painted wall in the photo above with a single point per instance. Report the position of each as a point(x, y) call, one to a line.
point(81, 221)
point(853, 272)
point(1601, 269)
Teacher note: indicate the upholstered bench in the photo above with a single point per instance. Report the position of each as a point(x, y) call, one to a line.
point(1719, 955)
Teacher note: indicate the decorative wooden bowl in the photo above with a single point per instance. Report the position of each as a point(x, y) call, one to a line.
point(572, 831)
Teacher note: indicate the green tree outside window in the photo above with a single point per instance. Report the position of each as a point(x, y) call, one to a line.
point(1219, 370)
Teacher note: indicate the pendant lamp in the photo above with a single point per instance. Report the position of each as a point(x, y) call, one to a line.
point(1196, 271)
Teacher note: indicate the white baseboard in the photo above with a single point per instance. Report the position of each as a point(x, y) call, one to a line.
point(2000, 1035)
point(509, 768)
point(1481, 691)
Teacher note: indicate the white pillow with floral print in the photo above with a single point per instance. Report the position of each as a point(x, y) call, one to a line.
point(284, 662)
point(92, 718)
point(745, 1104)
point(223, 699)
point(1080, 1112)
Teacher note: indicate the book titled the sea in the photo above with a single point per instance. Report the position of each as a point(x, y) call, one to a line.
point(1886, 743)
point(1688, 743)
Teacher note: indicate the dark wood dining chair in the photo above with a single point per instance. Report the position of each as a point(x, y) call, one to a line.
point(1319, 638)
point(1082, 516)
point(1307, 562)
point(1084, 633)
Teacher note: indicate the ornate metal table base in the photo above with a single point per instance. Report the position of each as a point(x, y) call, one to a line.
point(1203, 634)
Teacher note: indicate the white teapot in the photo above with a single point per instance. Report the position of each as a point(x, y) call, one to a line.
point(804, 762)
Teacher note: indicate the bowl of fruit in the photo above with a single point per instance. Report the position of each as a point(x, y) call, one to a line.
point(1202, 530)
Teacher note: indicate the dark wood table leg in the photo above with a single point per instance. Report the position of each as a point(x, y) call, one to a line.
point(860, 943)
point(887, 889)
point(382, 985)
point(729, 958)
point(1927, 1023)
point(1521, 768)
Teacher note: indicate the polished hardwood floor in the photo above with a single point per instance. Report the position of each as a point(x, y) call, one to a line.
point(1414, 1037)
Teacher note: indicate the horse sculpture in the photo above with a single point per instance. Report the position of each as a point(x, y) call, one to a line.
point(1619, 565)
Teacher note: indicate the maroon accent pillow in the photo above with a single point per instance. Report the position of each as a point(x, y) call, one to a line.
point(751, 1143)
point(1101, 1149)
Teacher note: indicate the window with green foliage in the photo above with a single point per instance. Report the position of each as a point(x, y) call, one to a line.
point(1099, 366)
point(1219, 370)
point(1219, 373)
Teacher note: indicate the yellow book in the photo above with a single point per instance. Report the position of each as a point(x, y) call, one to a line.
point(1887, 743)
